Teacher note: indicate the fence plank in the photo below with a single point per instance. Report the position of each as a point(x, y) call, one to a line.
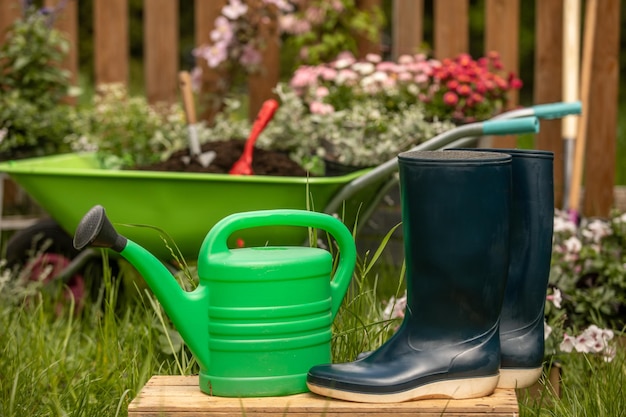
point(502, 35)
point(214, 82)
point(111, 51)
point(10, 10)
point(451, 28)
point(548, 69)
point(365, 45)
point(67, 22)
point(161, 41)
point(262, 83)
point(601, 126)
point(407, 26)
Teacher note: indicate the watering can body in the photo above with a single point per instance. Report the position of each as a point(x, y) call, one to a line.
point(260, 317)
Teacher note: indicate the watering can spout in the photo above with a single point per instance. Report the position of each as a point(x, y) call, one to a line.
point(187, 310)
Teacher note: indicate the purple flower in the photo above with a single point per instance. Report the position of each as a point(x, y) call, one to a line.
point(250, 56)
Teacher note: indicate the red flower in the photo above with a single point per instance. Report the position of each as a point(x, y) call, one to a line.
point(450, 98)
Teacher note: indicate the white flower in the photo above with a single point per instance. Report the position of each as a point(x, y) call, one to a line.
point(547, 330)
point(573, 245)
point(395, 308)
point(363, 68)
point(555, 297)
point(234, 9)
point(563, 224)
point(620, 219)
point(596, 230)
point(568, 343)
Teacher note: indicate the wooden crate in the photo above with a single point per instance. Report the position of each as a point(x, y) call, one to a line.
point(180, 396)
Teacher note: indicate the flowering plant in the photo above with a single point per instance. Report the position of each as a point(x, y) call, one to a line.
point(587, 279)
point(317, 29)
point(460, 89)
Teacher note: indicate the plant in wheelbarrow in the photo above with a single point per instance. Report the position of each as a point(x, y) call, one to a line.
point(363, 112)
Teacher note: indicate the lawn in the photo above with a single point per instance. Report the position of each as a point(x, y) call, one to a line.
point(60, 359)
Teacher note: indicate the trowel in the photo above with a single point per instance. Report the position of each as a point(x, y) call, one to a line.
point(195, 152)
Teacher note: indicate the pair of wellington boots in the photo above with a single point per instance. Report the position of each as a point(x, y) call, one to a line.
point(478, 241)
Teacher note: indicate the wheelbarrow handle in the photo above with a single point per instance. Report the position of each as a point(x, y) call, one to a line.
point(557, 110)
point(543, 111)
point(384, 170)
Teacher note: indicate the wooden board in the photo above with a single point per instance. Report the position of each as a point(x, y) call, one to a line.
point(177, 396)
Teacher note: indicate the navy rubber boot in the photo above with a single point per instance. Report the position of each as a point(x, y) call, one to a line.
point(532, 223)
point(455, 212)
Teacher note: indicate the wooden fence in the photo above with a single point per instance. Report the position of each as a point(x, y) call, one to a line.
point(450, 37)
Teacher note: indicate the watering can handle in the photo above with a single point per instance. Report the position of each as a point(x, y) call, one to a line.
point(216, 239)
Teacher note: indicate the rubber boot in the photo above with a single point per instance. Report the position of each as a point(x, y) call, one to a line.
point(455, 213)
point(532, 223)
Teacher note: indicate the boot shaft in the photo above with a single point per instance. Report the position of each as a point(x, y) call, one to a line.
point(455, 214)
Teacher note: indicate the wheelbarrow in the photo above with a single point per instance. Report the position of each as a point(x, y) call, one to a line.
point(171, 212)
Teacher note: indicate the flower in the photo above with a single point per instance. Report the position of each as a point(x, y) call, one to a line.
point(592, 340)
point(469, 90)
point(587, 277)
point(556, 298)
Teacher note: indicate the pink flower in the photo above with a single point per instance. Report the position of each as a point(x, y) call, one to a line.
point(321, 92)
point(374, 58)
point(318, 107)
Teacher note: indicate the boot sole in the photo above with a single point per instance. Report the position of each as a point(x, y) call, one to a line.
point(455, 389)
point(518, 378)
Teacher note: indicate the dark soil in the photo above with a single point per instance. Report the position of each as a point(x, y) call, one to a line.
point(264, 162)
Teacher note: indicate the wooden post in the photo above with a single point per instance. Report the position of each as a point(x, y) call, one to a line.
point(408, 27)
point(111, 55)
point(214, 82)
point(548, 69)
point(451, 28)
point(161, 50)
point(602, 112)
point(366, 45)
point(261, 84)
point(502, 35)
point(67, 22)
point(10, 10)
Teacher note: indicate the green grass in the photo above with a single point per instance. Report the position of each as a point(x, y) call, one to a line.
point(60, 360)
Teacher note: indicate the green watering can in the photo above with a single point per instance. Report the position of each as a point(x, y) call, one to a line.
point(260, 317)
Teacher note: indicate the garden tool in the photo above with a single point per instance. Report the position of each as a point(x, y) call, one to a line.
point(532, 222)
point(195, 152)
point(243, 166)
point(571, 75)
point(591, 17)
point(261, 316)
point(455, 219)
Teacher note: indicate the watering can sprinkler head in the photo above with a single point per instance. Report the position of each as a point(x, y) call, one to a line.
point(96, 230)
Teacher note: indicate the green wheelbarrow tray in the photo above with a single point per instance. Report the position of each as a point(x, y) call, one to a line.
point(185, 206)
point(177, 205)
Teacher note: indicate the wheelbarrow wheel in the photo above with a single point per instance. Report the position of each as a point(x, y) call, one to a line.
point(45, 248)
